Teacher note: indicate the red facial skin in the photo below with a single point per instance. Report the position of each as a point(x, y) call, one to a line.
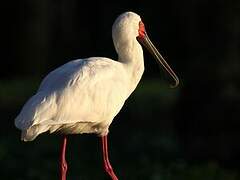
point(141, 30)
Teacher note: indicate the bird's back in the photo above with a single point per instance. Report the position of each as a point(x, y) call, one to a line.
point(82, 96)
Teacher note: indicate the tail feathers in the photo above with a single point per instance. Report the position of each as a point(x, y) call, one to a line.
point(32, 132)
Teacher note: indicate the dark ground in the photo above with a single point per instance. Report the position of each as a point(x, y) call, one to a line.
point(188, 133)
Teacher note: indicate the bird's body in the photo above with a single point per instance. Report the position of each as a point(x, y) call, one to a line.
point(81, 96)
point(84, 95)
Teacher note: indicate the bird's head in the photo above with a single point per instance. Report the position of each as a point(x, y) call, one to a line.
point(125, 28)
point(129, 25)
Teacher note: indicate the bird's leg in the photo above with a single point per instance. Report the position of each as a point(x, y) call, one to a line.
point(107, 166)
point(63, 162)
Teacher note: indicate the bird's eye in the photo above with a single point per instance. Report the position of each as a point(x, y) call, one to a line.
point(141, 30)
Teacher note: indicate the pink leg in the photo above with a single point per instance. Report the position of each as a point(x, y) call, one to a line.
point(63, 162)
point(107, 166)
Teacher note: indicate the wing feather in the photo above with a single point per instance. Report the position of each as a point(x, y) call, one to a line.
point(80, 91)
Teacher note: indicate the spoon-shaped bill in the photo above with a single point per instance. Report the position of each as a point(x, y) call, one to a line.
point(144, 40)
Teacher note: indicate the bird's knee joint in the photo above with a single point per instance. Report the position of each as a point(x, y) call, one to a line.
point(108, 169)
point(64, 167)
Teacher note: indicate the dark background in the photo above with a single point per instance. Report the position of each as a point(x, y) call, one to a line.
point(189, 133)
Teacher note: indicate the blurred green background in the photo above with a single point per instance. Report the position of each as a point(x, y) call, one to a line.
point(188, 133)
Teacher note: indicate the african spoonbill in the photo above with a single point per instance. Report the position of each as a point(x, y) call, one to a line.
point(84, 95)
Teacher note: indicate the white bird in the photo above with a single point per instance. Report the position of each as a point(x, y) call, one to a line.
point(84, 95)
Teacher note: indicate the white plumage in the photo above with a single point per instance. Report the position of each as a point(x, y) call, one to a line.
point(84, 95)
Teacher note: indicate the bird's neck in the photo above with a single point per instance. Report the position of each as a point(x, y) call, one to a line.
point(131, 56)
